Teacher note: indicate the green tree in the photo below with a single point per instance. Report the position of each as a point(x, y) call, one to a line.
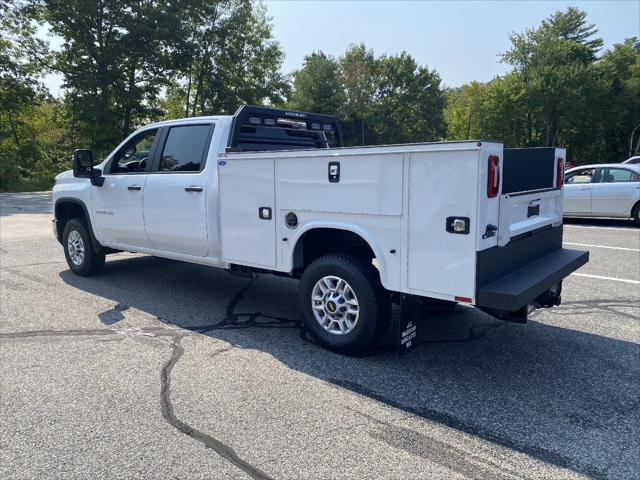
point(620, 67)
point(114, 61)
point(389, 99)
point(318, 86)
point(20, 90)
point(553, 64)
point(558, 93)
point(358, 66)
point(229, 58)
point(409, 102)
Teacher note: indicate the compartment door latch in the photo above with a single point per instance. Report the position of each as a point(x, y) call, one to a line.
point(334, 172)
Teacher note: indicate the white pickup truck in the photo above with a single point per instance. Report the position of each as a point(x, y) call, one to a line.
point(270, 190)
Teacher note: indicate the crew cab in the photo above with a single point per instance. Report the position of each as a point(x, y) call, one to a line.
point(269, 190)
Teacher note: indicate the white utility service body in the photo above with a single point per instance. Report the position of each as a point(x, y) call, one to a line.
point(401, 200)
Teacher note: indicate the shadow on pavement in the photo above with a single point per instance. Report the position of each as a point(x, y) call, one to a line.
point(563, 396)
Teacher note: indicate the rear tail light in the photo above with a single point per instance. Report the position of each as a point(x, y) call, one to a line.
point(560, 173)
point(493, 177)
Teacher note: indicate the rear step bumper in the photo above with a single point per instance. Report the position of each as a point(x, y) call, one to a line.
point(515, 291)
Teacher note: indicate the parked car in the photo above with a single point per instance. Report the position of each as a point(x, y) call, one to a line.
point(271, 191)
point(603, 190)
point(632, 161)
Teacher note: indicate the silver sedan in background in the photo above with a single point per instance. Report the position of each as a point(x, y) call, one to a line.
point(604, 190)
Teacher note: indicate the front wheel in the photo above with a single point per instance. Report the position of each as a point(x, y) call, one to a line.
point(79, 251)
point(345, 307)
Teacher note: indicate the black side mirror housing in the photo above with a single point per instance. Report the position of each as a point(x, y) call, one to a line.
point(83, 167)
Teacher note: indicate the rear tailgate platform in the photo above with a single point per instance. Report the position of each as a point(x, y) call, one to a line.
point(513, 276)
point(521, 287)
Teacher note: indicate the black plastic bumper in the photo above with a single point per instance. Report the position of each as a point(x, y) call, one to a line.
point(523, 286)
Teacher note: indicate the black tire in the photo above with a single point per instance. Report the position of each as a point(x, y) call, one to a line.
point(92, 263)
point(373, 302)
point(635, 214)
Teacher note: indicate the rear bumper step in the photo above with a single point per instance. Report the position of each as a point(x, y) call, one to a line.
point(523, 286)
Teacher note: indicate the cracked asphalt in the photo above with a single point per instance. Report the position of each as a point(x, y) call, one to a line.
point(159, 369)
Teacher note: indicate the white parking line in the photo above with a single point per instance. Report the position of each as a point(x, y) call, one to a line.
point(602, 246)
point(623, 280)
point(630, 229)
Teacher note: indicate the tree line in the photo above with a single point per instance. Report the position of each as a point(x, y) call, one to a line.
point(125, 63)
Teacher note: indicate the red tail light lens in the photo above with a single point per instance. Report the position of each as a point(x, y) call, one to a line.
point(560, 173)
point(493, 178)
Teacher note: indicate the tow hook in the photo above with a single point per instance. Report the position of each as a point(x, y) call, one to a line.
point(490, 231)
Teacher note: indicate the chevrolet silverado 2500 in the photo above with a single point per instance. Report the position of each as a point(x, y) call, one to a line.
point(274, 191)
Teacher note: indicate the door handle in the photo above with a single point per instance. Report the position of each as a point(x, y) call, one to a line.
point(193, 189)
point(134, 187)
point(585, 188)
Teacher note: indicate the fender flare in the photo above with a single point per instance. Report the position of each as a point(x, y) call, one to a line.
point(76, 201)
point(349, 227)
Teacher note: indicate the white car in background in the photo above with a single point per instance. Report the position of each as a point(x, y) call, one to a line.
point(604, 190)
point(632, 161)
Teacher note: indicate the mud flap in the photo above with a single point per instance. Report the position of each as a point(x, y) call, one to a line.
point(407, 330)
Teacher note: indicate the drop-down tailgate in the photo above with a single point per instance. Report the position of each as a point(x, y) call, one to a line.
point(524, 212)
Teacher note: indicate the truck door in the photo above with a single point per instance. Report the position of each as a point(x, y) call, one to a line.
point(175, 206)
point(117, 204)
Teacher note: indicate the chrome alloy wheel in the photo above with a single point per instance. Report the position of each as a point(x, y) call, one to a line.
point(75, 247)
point(335, 305)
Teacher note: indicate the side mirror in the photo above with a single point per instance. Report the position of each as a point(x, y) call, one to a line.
point(83, 166)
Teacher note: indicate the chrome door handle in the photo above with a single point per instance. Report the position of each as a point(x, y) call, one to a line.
point(193, 189)
point(134, 187)
point(585, 188)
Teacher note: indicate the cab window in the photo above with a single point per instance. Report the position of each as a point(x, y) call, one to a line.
point(580, 176)
point(185, 148)
point(134, 157)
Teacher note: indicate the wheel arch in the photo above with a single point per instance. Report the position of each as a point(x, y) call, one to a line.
point(67, 208)
point(325, 236)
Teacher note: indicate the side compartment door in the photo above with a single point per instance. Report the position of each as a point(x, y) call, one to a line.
point(577, 191)
point(247, 213)
point(175, 196)
point(117, 204)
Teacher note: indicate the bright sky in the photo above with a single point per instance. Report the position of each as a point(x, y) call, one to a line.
point(460, 39)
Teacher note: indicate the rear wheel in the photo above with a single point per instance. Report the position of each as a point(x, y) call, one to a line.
point(79, 251)
point(635, 214)
point(345, 307)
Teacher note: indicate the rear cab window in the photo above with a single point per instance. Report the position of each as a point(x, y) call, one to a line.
point(185, 148)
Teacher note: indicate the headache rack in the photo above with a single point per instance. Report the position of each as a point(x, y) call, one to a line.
point(256, 129)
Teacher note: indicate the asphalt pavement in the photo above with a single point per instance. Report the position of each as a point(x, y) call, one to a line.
point(160, 369)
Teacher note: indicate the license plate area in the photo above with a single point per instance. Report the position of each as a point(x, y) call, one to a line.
point(533, 210)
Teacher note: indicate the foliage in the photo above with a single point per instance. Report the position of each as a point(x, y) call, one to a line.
point(226, 58)
point(558, 93)
point(380, 100)
point(318, 85)
point(20, 92)
point(125, 63)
